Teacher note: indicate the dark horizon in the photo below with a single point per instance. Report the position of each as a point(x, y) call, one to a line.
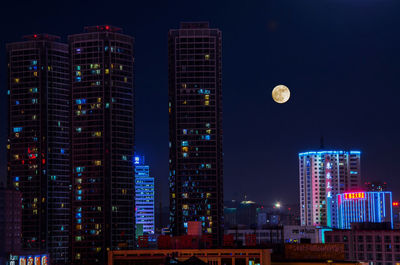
point(338, 58)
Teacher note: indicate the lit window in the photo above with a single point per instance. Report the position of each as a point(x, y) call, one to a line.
point(78, 238)
point(96, 134)
point(17, 129)
point(185, 149)
point(185, 207)
point(16, 80)
point(184, 85)
point(206, 102)
point(185, 154)
point(97, 162)
point(35, 73)
point(107, 71)
point(79, 129)
point(125, 79)
point(207, 96)
point(185, 143)
point(207, 57)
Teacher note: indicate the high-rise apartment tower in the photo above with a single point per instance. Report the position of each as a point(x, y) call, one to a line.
point(195, 129)
point(38, 141)
point(323, 175)
point(103, 188)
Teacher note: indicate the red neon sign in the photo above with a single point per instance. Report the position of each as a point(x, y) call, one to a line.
point(354, 195)
point(395, 203)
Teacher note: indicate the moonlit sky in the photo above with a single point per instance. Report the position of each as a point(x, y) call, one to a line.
point(339, 58)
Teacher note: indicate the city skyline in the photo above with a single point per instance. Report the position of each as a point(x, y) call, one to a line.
point(365, 131)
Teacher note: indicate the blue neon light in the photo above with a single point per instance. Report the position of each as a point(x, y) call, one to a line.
point(329, 152)
point(17, 129)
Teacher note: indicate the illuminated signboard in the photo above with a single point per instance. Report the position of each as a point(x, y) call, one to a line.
point(29, 260)
point(354, 195)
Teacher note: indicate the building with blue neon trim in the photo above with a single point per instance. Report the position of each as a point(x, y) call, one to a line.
point(361, 207)
point(322, 175)
point(144, 196)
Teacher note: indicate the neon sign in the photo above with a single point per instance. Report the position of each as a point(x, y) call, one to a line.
point(30, 260)
point(354, 195)
point(395, 203)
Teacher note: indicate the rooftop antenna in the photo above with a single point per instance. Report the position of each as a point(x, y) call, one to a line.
point(322, 146)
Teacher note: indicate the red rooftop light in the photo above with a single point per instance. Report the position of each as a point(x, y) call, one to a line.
point(107, 27)
point(35, 36)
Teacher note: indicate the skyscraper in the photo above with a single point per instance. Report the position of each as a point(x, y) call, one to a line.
point(38, 147)
point(323, 175)
point(144, 201)
point(195, 129)
point(102, 142)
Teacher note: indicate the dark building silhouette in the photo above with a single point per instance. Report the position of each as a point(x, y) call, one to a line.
point(38, 141)
point(195, 129)
point(376, 186)
point(103, 214)
point(10, 222)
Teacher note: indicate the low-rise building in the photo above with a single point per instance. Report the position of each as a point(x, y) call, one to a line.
point(209, 256)
point(369, 242)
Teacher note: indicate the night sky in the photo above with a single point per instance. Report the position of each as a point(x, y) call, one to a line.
point(340, 59)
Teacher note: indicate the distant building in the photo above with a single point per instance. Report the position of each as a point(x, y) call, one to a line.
point(39, 94)
point(10, 222)
point(323, 175)
point(264, 236)
point(195, 128)
point(376, 186)
point(360, 207)
point(144, 195)
point(369, 242)
point(246, 213)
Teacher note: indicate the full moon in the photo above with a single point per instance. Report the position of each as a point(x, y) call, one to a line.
point(281, 94)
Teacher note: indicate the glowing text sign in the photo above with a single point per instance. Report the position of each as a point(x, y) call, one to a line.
point(36, 260)
point(354, 195)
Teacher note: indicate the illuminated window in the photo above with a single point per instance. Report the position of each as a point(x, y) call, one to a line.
point(34, 101)
point(16, 80)
point(184, 131)
point(184, 85)
point(107, 71)
point(207, 57)
point(35, 73)
point(184, 195)
point(185, 149)
point(207, 137)
point(97, 162)
point(125, 79)
point(33, 90)
point(96, 134)
point(207, 96)
point(34, 212)
point(78, 227)
point(17, 129)
point(206, 102)
point(121, 67)
point(173, 195)
point(78, 238)
point(208, 131)
point(185, 143)
point(185, 207)
point(78, 130)
point(185, 154)
point(123, 191)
